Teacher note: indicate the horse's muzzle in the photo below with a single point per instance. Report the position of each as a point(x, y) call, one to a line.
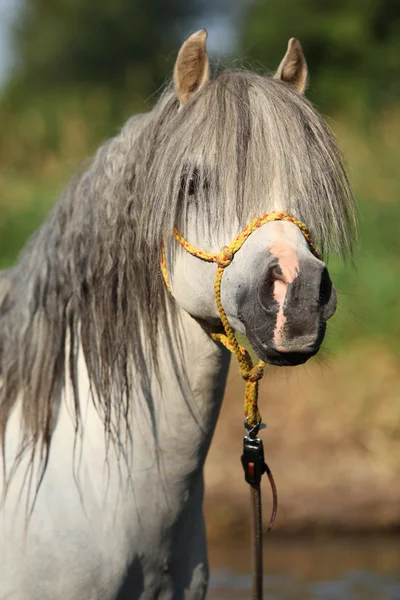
point(285, 321)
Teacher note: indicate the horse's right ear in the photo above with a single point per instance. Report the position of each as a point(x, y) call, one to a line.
point(293, 68)
point(192, 69)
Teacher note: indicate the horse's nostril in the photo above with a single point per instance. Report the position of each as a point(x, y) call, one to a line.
point(325, 290)
point(274, 273)
point(269, 285)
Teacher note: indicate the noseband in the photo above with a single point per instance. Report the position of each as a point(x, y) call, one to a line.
point(250, 373)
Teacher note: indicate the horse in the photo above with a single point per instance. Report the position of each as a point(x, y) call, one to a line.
point(111, 385)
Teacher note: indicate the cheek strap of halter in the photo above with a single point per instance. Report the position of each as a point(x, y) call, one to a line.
point(251, 373)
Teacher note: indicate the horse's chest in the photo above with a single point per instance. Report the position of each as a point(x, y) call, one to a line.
point(114, 521)
point(103, 531)
point(105, 556)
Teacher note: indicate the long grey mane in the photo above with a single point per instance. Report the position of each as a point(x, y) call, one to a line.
point(91, 273)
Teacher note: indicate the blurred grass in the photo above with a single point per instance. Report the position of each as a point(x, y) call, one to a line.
point(369, 300)
point(43, 143)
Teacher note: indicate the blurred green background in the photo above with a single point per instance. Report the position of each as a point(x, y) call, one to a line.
point(79, 68)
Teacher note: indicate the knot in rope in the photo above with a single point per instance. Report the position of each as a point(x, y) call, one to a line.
point(255, 374)
point(225, 257)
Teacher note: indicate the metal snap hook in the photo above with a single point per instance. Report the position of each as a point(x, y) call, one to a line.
point(252, 431)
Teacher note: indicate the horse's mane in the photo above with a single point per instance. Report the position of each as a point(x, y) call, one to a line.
point(91, 273)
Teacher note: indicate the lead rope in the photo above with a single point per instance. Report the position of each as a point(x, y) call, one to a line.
point(254, 467)
point(253, 451)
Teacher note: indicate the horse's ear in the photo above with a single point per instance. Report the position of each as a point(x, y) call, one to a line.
point(191, 68)
point(293, 68)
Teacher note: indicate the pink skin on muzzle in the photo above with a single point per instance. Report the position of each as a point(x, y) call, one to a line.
point(290, 268)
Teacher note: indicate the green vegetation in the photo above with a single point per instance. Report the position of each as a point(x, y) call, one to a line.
point(351, 47)
point(88, 42)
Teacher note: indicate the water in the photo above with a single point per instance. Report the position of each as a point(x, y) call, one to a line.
point(335, 569)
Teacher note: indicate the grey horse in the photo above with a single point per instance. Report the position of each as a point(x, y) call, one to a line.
point(110, 387)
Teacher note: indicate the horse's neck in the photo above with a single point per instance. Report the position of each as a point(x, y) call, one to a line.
point(157, 448)
point(170, 426)
point(172, 414)
point(185, 399)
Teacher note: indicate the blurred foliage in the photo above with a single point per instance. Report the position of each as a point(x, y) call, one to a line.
point(111, 43)
point(85, 67)
point(352, 47)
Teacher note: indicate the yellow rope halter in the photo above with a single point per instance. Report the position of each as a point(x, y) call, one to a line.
point(250, 373)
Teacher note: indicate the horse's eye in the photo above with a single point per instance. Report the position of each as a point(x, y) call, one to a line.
point(190, 183)
point(193, 184)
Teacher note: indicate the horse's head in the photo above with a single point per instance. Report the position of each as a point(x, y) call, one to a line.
point(235, 148)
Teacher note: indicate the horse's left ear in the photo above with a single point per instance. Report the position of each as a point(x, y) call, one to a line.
point(192, 69)
point(293, 68)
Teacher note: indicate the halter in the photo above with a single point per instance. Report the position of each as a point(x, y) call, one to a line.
point(250, 373)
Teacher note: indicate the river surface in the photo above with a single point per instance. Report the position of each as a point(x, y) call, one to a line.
point(334, 569)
